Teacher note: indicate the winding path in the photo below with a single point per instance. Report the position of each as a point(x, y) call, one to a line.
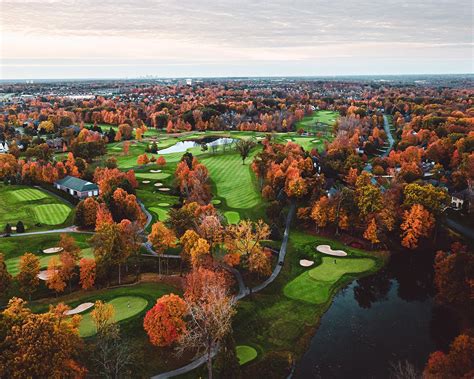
point(243, 292)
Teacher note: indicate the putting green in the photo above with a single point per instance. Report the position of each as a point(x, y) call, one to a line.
point(160, 212)
point(51, 214)
point(29, 194)
point(246, 354)
point(314, 285)
point(215, 202)
point(232, 217)
point(125, 307)
point(153, 175)
point(163, 204)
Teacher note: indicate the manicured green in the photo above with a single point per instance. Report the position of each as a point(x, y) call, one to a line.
point(331, 269)
point(124, 306)
point(215, 202)
point(37, 209)
point(29, 194)
point(51, 214)
point(232, 217)
point(161, 213)
point(163, 204)
point(153, 175)
point(245, 354)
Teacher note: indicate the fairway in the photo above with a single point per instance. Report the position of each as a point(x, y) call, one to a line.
point(232, 217)
point(245, 354)
point(160, 212)
point(314, 285)
point(29, 194)
point(125, 307)
point(233, 180)
point(31, 206)
point(51, 214)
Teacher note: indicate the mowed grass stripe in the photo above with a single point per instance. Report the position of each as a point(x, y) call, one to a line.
point(51, 214)
point(233, 180)
point(28, 194)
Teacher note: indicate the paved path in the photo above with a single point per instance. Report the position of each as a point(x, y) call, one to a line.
point(243, 292)
point(69, 229)
point(391, 141)
point(464, 230)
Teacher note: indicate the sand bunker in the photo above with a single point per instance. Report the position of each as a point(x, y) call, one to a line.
point(158, 184)
point(155, 170)
point(306, 263)
point(316, 141)
point(79, 309)
point(326, 249)
point(163, 189)
point(145, 181)
point(45, 274)
point(53, 250)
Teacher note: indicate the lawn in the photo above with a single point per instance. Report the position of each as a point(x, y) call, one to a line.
point(246, 354)
point(14, 247)
point(153, 175)
point(314, 285)
point(271, 321)
point(124, 306)
point(37, 209)
point(232, 217)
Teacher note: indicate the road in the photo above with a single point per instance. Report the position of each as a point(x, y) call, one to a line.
point(391, 141)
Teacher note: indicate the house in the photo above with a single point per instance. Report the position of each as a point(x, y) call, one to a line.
point(77, 187)
point(463, 200)
point(4, 147)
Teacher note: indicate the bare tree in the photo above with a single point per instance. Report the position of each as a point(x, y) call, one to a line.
point(403, 370)
point(210, 320)
point(244, 146)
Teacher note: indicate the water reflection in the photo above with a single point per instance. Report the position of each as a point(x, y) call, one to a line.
point(183, 146)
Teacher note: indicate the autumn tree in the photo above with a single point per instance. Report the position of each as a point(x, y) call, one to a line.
point(457, 363)
point(39, 345)
point(5, 276)
point(210, 320)
point(161, 238)
point(370, 233)
point(86, 213)
point(87, 273)
point(187, 241)
point(55, 280)
point(164, 323)
point(417, 222)
point(210, 228)
point(28, 276)
point(199, 252)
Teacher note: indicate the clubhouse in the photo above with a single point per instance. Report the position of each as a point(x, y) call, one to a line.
point(77, 187)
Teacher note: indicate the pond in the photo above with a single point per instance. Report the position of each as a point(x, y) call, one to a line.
point(183, 146)
point(379, 320)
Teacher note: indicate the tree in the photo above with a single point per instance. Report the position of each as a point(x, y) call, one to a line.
point(227, 362)
point(102, 315)
point(143, 159)
point(86, 213)
point(244, 146)
point(28, 276)
point(187, 241)
point(457, 363)
point(20, 227)
point(417, 222)
point(210, 228)
point(164, 323)
point(161, 239)
point(55, 279)
point(5, 276)
point(432, 198)
point(69, 245)
point(210, 320)
point(39, 345)
point(161, 161)
point(199, 252)
point(370, 233)
point(87, 273)
point(8, 229)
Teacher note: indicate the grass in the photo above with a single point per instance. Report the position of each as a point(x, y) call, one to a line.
point(160, 213)
point(14, 247)
point(232, 217)
point(38, 210)
point(314, 285)
point(271, 321)
point(153, 175)
point(51, 214)
point(124, 306)
point(246, 354)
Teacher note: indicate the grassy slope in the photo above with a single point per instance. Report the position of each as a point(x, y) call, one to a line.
point(30, 205)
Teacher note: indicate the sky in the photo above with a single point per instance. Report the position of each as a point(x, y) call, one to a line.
point(198, 38)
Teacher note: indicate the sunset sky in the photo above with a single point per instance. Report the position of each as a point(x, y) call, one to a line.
point(124, 38)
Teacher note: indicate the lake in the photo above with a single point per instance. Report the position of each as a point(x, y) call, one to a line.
point(183, 146)
point(386, 317)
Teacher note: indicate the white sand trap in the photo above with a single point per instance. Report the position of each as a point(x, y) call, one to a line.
point(289, 139)
point(79, 309)
point(326, 249)
point(158, 184)
point(163, 189)
point(45, 274)
point(316, 141)
point(259, 138)
point(306, 263)
point(13, 228)
point(145, 181)
point(53, 250)
point(155, 170)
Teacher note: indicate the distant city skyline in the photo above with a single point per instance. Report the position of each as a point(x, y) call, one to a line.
point(73, 39)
